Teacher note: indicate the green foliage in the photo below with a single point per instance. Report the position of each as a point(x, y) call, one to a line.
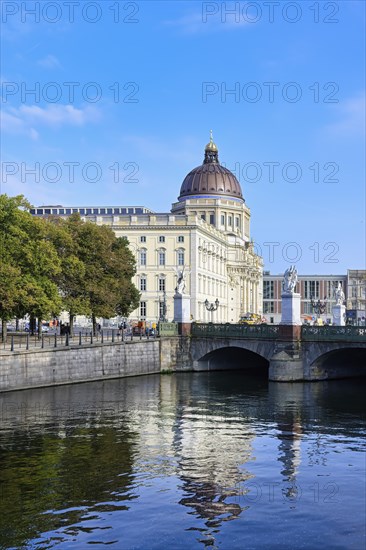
point(51, 264)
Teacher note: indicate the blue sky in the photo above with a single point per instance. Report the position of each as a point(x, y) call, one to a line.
point(125, 94)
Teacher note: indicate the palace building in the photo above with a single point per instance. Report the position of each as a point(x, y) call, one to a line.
point(207, 231)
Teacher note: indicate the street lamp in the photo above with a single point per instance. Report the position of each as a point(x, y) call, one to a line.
point(318, 307)
point(211, 307)
point(163, 309)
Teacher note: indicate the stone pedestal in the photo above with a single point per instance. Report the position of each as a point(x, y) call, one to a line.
point(290, 308)
point(182, 313)
point(339, 315)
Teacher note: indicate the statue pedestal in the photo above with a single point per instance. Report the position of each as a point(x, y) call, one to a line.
point(182, 313)
point(339, 315)
point(290, 308)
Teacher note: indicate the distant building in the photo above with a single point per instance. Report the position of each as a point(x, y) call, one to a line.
point(316, 287)
point(207, 230)
point(356, 296)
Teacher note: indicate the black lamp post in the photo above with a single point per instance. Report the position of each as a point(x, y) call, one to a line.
point(318, 307)
point(212, 307)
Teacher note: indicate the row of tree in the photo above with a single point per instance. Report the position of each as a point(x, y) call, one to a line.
point(50, 265)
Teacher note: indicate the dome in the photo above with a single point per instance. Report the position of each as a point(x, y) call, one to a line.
point(210, 178)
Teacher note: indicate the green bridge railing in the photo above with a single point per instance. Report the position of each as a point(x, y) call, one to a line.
point(331, 333)
point(208, 330)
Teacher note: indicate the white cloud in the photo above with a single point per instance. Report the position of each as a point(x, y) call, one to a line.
point(25, 119)
point(49, 62)
point(207, 22)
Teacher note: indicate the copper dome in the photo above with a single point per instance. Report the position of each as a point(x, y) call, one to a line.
point(210, 178)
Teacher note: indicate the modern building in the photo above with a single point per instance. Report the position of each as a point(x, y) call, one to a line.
point(356, 296)
point(311, 288)
point(207, 231)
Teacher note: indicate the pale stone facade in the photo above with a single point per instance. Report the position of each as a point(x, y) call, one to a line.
point(207, 230)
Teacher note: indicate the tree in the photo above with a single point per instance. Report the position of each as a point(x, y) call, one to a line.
point(26, 260)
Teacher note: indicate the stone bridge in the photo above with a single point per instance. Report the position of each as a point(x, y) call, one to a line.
point(290, 353)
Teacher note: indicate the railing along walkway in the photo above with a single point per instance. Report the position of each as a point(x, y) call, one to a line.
point(24, 341)
point(348, 333)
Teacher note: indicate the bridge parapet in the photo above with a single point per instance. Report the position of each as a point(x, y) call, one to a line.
point(228, 330)
point(333, 333)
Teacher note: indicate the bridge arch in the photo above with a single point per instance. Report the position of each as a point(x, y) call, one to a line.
point(214, 354)
point(340, 362)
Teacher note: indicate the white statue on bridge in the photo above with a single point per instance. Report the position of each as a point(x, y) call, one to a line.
point(181, 280)
point(289, 280)
point(339, 295)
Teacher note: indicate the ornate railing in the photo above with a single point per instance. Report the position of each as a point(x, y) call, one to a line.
point(209, 330)
point(168, 329)
point(332, 333)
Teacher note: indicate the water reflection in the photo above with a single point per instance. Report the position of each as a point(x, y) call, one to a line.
point(83, 463)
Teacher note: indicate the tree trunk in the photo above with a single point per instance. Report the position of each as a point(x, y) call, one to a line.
point(4, 330)
point(16, 324)
point(71, 323)
point(32, 324)
point(94, 325)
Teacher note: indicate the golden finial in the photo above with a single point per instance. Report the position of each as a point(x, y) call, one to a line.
point(211, 146)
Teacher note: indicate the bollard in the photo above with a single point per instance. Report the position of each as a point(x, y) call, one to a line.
point(140, 334)
point(131, 335)
point(148, 334)
point(42, 341)
point(91, 337)
point(112, 335)
point(55, 344)
point(123, 335)
point(102, 337)
point(12, 344)
point(66, 339)
point(80, 338)
point(27, 343)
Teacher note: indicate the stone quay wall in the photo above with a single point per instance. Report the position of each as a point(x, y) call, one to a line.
point(53, 366)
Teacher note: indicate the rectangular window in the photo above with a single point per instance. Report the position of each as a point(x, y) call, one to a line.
point(143, 257)
point(47, 210)
point(161, 239)
point(143, 310)
point(82, 211)
point(237, 222)
point(39, 211)
point(68, 210)
point(161, 284)
point(143, 284)
point(203, 217)
point(102, 210)
point(109, 210)
point(33, 211)
point(61, 211)
point(161, 258)
point(268, 307)
point(95, 211)
point(181, 239)
point(268, 290)
point(222, 219)
point(142, 239)
point(212, 219)
point(88, 211)
point(311, 289)
point(180, 258)
point(229, 220)
point(123, 211)
point(74, 211)
point(115, 210)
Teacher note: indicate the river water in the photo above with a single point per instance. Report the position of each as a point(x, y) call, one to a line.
point(193, 460)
